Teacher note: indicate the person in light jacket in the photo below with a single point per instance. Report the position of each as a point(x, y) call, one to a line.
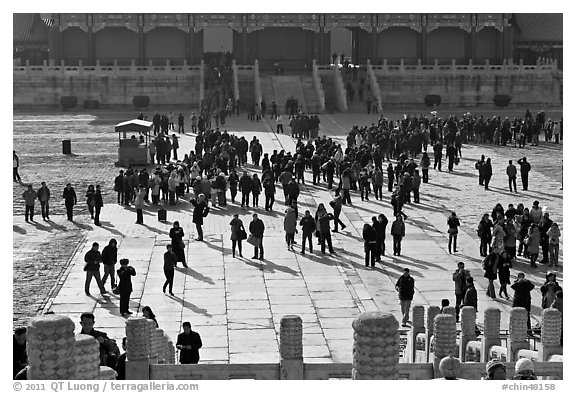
point(398, 231)
point(554, 235)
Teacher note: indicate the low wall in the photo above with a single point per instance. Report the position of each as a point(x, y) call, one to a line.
point(110, 86)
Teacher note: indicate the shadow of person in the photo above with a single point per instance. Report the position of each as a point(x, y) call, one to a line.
point(19, 230)
point(191, 306)
point(109, 227)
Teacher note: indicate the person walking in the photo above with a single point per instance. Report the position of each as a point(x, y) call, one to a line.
point(98, 204)
point(336, 205)
point(109, 258)
point(15, 166)
point(308, 225)
point(544, 225)
point(189, 342)
point(438, 155)
point(459, 277)
point(490, 267)
point(139, 204)
point(504, 277)
point(379, 226)
point(554, 239)
point(44, 198)
point(238, 233)
point(378, 182)
point(290, 221)
point(522, 298)
point(169, 267)
point(256, 190)
point(471, 295)
point(245, 186)
point(256, 229)
point(200, 212)
point(511, 172)
point(29, 197)
point(405, 289)
point(90, 200)
point(370, 244)
point(125, 274)
point(453, 224)
point(92, 269)
point(524, 169)
point(398, 231)
point(269, 191)
point(322, 219)
point(177, 236)
point(70, 200)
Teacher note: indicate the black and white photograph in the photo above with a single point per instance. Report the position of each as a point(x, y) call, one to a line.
point(287, 195)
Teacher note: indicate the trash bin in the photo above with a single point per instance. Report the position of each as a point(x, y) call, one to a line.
point(66, 147)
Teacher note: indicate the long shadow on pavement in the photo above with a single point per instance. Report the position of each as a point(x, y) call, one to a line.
point(85, 227)
point(17, 229)
point(195, 275)
point(192, 307)
point(57, 226)
point(420, 263)
point(109, 227)
point(271, 267)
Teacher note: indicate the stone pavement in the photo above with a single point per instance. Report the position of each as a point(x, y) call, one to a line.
point(236, 303)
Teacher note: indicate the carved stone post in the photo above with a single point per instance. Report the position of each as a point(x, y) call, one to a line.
point(551, 333)
point(291, 359)
point(491, 332)
point(137, 348)
point(431, 313)
point(50, 347)
point(517, 339)
point(444, 340)
point(376, 345)
point(468, 329)
point(450, 310)
point(417, 328)
point(86, 357)
point(106, 373)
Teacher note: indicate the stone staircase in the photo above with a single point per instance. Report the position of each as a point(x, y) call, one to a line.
point(329, 92)
point(267, 90)
point(246, 91)
point(286, 87)
point(310, 94)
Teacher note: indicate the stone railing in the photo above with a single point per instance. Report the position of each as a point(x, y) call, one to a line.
point(107, 70)
point(341, 102)
point(235, 79)
point(150, 353)
point(374, 86)
point(508, 67)
point(318, 87)
point(257, 83)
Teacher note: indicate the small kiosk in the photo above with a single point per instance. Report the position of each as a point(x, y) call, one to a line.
point(133, 150)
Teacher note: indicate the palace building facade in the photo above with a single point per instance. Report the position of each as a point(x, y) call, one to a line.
point(293, 40)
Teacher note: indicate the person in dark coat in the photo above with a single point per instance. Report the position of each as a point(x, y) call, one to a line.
point(524, 169)
point(405, 289)
point(549, 290)
point(308, 225)
point(245, 186)
point(121, 364)
point(522, 297)
point(237, 230)
point(92, 269)
point(459, 277)
point(370, 244)
point(70, 200)
point(471, 296)
point(336, 205)
point(504, 277)
point(109, 351)
point(479, 166)
point(177, 235)
point(189, 342)
point(109, 258)
point(390, 172)
point(322, 219)
point(490, 266)
point(125, 274)
point(169, 266)
point(487, 172)
point(200, 211)
point(19, 356)
point(98, 204)
point(484, 232)
point(256, 228)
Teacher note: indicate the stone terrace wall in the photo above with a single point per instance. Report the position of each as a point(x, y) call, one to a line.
point(469, 85)
point(110, 86)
